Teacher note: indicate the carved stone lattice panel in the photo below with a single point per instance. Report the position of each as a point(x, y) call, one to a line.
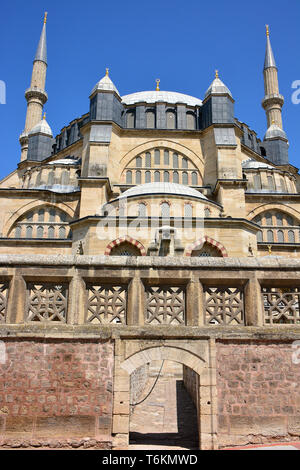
point(165, 305)
point(224, 306)
point(106, 304)
point(47, 302)
point(3, 301)
point(281, 305)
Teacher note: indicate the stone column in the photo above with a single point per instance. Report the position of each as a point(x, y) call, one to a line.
point(194, 303)
point(121, 397)
point(253, 303)
point(17, 298)
point(135, 302)
point(77, 300)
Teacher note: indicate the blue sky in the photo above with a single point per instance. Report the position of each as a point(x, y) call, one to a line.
point(182, 43)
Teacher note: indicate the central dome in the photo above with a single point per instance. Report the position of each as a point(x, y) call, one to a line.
point(166, 96)
point(162, 188)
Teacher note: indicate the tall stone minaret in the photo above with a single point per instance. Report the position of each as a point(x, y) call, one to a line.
point(36, 95)
point(273, 101)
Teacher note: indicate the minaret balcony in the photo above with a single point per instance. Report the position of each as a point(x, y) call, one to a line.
point(275, 99)
point(36, 93)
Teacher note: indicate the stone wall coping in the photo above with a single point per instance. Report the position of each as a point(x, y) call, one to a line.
point(266, 262)
point(159, 333)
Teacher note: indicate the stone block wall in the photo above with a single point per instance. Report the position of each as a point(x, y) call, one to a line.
point(258, 387)
point(191, 383)
point(56, 393)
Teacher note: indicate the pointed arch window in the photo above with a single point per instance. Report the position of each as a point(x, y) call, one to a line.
point(175, 177)
point(185, 179)
point(40, 232)
point(148, 177)
point(130, 119)
point(270, 236)
point(165, 210)
point(190, 121)
point(157, 157)
point(29, 231)
point(138, 177)
point(166, 177)
point(51, 232)
point(157, 176)
point(188, 210)
point(129, 177)
point(280, 236)
point(291, 236)
point(171, 119)
point(148, 160)
point(138, 162)
point(194, 178)
point(150, 119)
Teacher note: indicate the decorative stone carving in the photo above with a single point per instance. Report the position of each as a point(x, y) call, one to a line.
point(224, 305)
point(3, 301)
point(281, 305)
point(165, 305)
point(106, 304)
point(47, 302)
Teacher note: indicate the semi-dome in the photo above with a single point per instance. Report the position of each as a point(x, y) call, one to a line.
point(171, 97)
point(217, 88)
point(162, 188)
point(253, 164)
point(41, 128)
point(105, 84)
point(275, 131)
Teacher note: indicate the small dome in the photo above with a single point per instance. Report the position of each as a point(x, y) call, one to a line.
point(41, 128)
point(162, 188)
point(217, 88)
point(253, 165)
point(66, 161)
point(105, 84)
point(275, 131)
point(154, 96)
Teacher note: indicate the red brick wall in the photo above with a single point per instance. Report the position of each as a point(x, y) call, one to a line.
point(55, 393)
point(258, 393)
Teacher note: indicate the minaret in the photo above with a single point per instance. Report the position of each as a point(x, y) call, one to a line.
point(36, 95)
point(273, 101)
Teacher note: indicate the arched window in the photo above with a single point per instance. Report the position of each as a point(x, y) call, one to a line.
point(190, 121)
point(290, 220)
point(150, 119)
point(157, 176)
point(188, 210)
point(142, 210)
point(279, 219)
point(207, 212)
point(175, 160)
point(184, 163)
point(280, 236)
point(138, 162)
point(18, 232)
point(129, 177)
point(194, 179)
point(29, 231)
point(50, 181)
point(166, 157)
point(30, 217)
point(157, 157)
point(171, 119)
point(175, 177)
point(41, 215)
point(259, 236)
point(291, 236)
point(185, 179)
point(38, 179)
point(282, 185)
point(138, 177)
point(40, 232)
point(257, 181)
point(62, 232)
point(130, 119)
point(166, 177)
point(271, 183)
point(148, 160)
point(65, 178)
point(147, 177)
point(52, 215)
point(165, 210)
point(270, 236)
point(269, 219)
point(51, 232)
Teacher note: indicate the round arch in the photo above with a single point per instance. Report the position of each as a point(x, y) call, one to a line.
point(268, 207)
point(127, 239)
point(34, 205)
point(167, 353)
point(209, 241)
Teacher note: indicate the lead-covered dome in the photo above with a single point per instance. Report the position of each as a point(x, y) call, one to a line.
point(255, 165)
point(171, 97)
point(41, 128)
point(275, 131)
point(217, 88)
point(162, 188)
point(105, 84)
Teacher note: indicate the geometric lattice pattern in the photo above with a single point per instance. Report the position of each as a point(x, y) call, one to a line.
point(165, 305)
point(47, 302)
point(106, 304)
point(3, 301)
point(224, 306)
point(281, 305)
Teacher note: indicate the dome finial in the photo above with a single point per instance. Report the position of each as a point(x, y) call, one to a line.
point(107, 72)
point(217, 73)
point(45, 17)
point(267, 30)
point(44, 117)
point(157, 84)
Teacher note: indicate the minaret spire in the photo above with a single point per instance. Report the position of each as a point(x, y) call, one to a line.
point(36, 95)
point(273, 101)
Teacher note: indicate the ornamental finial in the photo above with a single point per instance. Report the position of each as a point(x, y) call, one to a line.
point(44, 117)
point(217, 73)
point(267, 30)
point(45, 17)
point(107, 72)
point(157, 84)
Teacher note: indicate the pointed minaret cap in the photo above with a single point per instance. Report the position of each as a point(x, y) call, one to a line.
point(269, 59)
point(105, 84)
point(42, 128)
point(41, 52)
point(217, 87)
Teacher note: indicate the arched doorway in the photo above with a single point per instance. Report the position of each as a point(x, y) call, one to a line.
point(163, 407)
point(207, 251)
point(197, 358)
